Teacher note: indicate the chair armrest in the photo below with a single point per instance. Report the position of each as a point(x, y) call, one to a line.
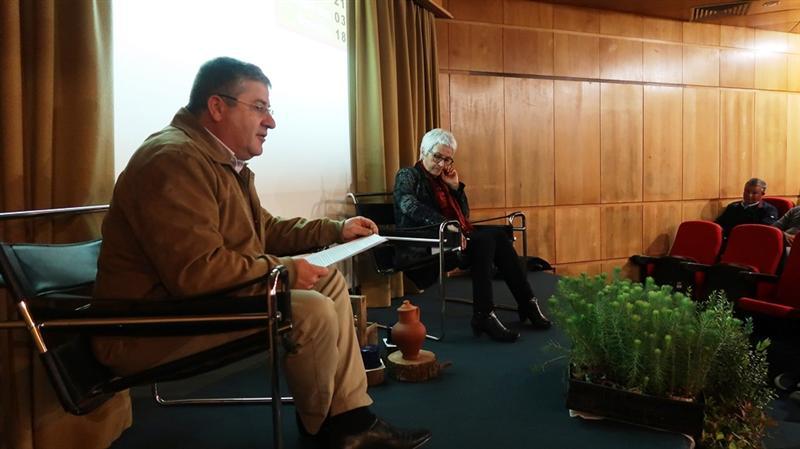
point(509, 218)
point(695, 266)
point(752, 276)
point(168, 316)
point(641, 260)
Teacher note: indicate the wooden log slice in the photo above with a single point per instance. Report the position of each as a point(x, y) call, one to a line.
point(425, 367)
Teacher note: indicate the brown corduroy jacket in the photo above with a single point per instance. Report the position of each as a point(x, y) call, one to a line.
point(183, 222)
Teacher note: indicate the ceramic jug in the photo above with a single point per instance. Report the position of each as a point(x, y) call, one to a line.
point(408, 333)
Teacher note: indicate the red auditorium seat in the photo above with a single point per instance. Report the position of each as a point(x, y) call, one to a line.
point(782, 204)
point(751, 248)
point(696, 241)
point(770, 311)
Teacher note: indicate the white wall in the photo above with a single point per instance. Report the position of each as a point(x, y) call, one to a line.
point(159, 45)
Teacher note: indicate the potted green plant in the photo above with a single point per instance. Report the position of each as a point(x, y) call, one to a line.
point(644, 354)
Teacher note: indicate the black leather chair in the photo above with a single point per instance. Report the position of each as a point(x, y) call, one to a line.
point(379, 207)
point(51, 287)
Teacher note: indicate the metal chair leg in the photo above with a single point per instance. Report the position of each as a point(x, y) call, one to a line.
point(161, 400)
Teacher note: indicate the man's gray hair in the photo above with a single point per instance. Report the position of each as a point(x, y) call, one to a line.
point(435, 137)
point(757, 182)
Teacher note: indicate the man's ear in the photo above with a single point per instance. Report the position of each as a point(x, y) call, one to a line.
point(215, 106)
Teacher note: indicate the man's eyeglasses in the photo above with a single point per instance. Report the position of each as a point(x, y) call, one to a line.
point(260, 108)
point(444, 160)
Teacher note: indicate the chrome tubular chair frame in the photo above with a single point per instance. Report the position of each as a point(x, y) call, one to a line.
point(277, 318)
point(511, 220)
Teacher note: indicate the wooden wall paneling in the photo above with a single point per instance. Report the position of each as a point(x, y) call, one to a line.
point(620, 142)
point(627, 269)
point(577, 142)
point(621, 230)
point(442, 44)
point(770, 41)
point(700, 65)
point(771, 70)
point(737, 68)
point(701, 33)
point(662, 63)
point(576, 55)
point(530, 158)
point(660, 223)
point(576, 269)
point(662, 29)
point(700, 143)
point(740, 37)
point(793, 43)
point(444, 101)
point(701, 210)
point(541, 223)
point(793, 73)
point(620, 59)
point(769, 156)
point(527, 51)
point(578, 234)
point(620, 24)
point(490, 11)
point(481, 155)
point(576, 19)
point(485, 214)
point(475, 47)
point(663, 140)
point(793, 145)
point(528, 13)
point(737, 126)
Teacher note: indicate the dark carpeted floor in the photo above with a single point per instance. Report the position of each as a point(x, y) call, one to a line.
point(495, 395)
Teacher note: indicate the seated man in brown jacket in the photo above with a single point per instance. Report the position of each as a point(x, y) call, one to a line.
point(185, 219)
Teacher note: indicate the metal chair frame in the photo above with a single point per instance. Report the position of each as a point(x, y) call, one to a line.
point(278, 323)
point(440, 244)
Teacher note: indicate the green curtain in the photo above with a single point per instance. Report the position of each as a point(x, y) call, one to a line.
point(394, 94)
point(56, 145)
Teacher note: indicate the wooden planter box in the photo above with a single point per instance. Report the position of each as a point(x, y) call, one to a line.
point(636, 408)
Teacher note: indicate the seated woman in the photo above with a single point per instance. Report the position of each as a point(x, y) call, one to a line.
point(429, 193)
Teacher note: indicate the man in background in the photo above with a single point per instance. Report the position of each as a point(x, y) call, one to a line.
point(185, 219)
point(789, 224)
point(751, 210)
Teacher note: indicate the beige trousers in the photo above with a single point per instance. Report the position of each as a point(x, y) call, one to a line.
point(326, 375)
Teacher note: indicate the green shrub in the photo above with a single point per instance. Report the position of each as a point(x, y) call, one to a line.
point(647, 338)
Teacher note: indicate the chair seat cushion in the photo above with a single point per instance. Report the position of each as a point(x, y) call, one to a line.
point(766, 308)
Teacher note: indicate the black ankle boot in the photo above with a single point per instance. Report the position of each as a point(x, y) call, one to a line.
point(531, 311)
point(492, 325)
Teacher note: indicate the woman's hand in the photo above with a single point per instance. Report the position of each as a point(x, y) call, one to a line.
point(450, 177)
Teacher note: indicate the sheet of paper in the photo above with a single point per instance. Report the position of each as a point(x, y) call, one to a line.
point(343, 251)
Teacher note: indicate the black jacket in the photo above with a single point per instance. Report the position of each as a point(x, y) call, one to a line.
point(736, 214)
point(414, 207)
point(414, 203)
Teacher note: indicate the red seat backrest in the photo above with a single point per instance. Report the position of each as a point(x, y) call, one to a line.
point(698, 240)
point(789, 283)
point(782, 204)
point(754, 245)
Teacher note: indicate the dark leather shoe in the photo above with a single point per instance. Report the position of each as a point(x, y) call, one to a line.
point(531, 311)
point(492, 325)
point(381, 435)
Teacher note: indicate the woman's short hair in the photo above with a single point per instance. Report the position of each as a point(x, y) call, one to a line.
point(435, 137)
point(222, 75)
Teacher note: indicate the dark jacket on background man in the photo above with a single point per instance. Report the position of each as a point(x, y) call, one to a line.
point(737, 213)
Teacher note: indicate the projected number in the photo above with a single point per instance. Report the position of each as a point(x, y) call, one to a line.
point(340, 20)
